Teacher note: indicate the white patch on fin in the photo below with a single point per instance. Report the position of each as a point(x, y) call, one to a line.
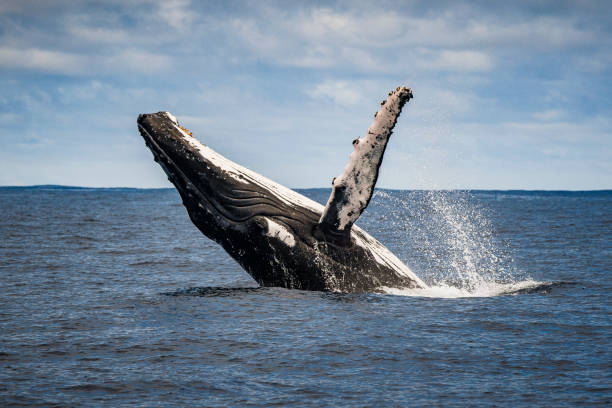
point(278, 231)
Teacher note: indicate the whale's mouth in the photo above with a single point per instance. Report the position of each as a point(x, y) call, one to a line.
point(211, 184)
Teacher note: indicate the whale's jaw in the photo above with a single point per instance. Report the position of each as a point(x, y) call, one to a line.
point(218, 191)
point(273, 232)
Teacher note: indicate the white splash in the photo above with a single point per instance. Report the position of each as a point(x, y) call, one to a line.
point(486, 289)
point(467, 240)
point(277, 231)
point(459, 253)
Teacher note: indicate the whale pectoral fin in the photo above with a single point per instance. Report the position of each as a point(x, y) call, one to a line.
point(353, 189)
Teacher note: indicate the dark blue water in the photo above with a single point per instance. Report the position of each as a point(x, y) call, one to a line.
point(113, 298)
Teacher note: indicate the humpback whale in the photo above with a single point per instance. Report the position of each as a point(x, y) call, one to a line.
point(280, 237)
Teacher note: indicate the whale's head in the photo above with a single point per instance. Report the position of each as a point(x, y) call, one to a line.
point(215, 188)
point(227, 202)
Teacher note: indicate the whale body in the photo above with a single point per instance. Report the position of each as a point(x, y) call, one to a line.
point(280, 237)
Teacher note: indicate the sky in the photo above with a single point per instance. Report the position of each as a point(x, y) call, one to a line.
point(507, 95)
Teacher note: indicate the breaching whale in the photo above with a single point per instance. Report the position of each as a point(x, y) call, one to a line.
point(280, 237)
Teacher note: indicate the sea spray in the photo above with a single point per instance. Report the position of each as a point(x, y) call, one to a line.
point(450, 242)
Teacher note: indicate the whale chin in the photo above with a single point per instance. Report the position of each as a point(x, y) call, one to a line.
point(280, 237)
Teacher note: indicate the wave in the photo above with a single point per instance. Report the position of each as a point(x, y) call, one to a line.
point(213, 291)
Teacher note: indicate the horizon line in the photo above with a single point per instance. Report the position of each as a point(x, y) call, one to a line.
point(64, 186)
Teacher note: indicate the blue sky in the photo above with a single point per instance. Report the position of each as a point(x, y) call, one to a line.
point(507, 94)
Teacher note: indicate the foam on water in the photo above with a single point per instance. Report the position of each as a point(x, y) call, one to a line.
point(486, 289)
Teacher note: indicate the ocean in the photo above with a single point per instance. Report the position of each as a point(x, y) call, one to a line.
point(111, 297)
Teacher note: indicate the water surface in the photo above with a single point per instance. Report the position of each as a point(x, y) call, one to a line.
point(112, 297)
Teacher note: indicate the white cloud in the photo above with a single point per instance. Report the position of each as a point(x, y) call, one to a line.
point(100, 35)
point(176, 14)
point(382, 41)
point(450, 60)
point(341, 92)
point(137, 61)
point(42, 60)
point(75, 64)
point(522, 142)
point(491, 31)
point(549, 115)
point(438, 105)
point(594, 131)
point(7, 117)
point(596, 63)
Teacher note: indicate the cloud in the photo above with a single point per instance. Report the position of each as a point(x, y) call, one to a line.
point(394, 39)
point(137, 61)
point(548, 115)
point(176, 14)
point(531, 142)
point(59, 62)
point(504, 84)
point(539, 33)
point(100, 35)
point(42, 60)
point(340, 92)
point(450, 60)
point(387, 40)
point(596, 63)
point(582, 134)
